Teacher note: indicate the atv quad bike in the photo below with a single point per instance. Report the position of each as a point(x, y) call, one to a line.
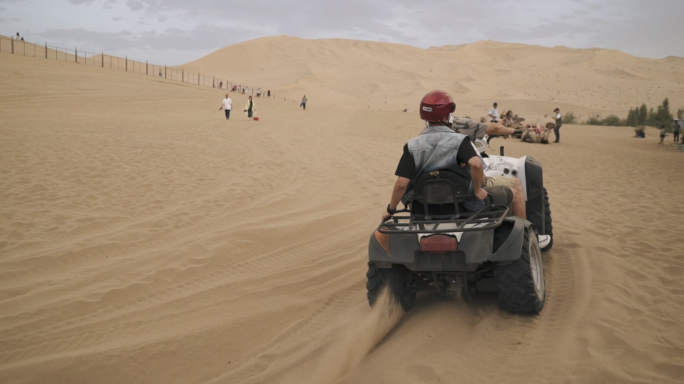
point(434, 243)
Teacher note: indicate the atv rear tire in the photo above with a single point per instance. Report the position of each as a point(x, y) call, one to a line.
point(394, 279)
point(521, 283)
point(548, 226)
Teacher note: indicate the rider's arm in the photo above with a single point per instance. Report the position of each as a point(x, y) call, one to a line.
point(499, 129)
point(398, 192)
point(405, 170)
point(477, 173)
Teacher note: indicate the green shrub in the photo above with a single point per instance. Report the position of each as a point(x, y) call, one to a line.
point(569, 118)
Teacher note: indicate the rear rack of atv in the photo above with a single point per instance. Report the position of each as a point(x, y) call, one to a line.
point(486, 218)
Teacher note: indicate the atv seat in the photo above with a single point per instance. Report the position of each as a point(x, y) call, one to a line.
point(439, 195)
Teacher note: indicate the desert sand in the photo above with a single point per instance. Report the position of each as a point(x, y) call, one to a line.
point(145, 239)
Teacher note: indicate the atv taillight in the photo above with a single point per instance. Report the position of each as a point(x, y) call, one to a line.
point(438, 244)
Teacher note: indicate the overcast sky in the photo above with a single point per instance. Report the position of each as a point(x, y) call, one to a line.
point(177, 31)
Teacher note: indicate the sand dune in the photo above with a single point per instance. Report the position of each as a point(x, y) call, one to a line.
point(532, 79)
point(145, 239)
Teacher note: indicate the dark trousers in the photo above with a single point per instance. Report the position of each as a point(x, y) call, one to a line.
point(676, 136)
point(227, 114)
point(249, 113)
point(556, 131)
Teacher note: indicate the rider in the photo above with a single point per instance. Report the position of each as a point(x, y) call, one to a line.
point(437, 147)
point(475, 131)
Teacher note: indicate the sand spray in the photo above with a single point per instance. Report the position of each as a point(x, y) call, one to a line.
point(356, 339)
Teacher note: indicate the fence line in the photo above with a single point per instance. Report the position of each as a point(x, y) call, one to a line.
point(76, 56)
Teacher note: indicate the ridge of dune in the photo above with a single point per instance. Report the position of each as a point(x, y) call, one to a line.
point(391, 76)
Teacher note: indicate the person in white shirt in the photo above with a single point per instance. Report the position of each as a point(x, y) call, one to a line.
point(227, 104)
point(559, 123)
point(494, 114)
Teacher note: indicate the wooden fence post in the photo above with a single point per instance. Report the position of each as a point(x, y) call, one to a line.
point(126, 63)
point(102, 59)
point(198, 78)
point(13, 45)
point(76, 54)
point(165, 71)
point(146, 68)
point(45, 50)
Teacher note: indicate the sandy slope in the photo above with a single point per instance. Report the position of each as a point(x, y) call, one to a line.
point(145, 239)
point(532, 80)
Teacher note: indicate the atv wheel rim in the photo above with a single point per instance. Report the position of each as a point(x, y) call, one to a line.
point(536, 266)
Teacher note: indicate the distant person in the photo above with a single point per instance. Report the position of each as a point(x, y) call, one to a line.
point(259, 92)
point(269, 93)
point(250, 108)
point(221, 84)
point(303, 104)
point(494, 114)
point(559, 122)
point(675, 130)
point(227, 104)
point(160, 73)
point(639, 131)
point(22, 38)
point(662, 135)
point(18, 36)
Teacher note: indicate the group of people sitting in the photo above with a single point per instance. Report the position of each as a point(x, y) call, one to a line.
point(530, 133)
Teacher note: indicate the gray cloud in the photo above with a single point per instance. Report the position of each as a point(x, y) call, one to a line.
point(135, 5)
point(635, 26)
point(201, 37)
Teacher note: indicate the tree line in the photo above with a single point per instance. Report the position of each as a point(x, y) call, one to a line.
point(637, 116)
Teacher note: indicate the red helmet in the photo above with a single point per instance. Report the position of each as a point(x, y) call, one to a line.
point(436, 105)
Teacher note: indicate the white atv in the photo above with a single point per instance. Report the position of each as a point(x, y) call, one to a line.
point(529, 171)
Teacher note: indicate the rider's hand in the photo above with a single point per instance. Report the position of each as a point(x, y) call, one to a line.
point(480, 194)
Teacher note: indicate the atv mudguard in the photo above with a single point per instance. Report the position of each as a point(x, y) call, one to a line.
point(474, 248)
